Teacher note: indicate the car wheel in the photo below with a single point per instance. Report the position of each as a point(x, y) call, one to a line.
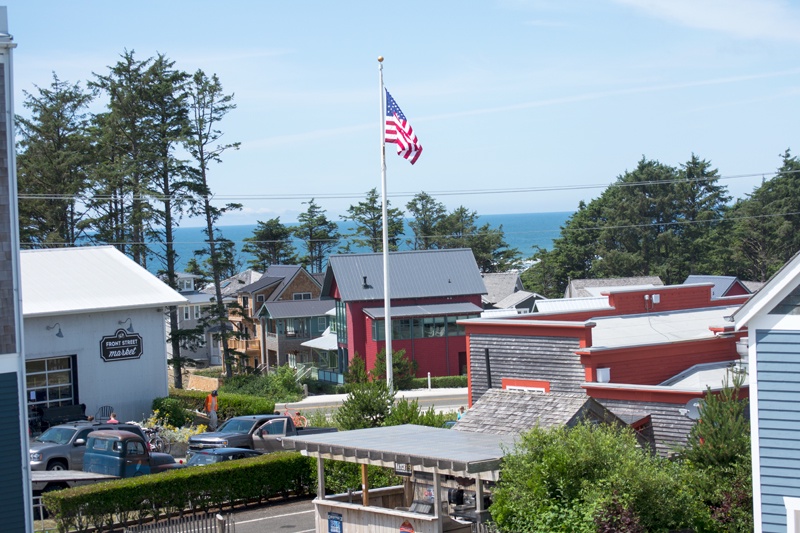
point(57, 465)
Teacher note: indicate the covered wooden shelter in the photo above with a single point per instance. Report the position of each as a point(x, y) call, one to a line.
point(448, 478)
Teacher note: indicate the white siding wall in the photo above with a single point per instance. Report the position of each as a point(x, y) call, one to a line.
point(129, 385)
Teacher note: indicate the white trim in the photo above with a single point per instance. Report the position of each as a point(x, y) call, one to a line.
point(792, 514)
point(754, 442)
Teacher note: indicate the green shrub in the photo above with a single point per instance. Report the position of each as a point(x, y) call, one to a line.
point(405, 412)
point(439, 382)
point(366, 406)
point(403, 369)
point(201, 488)
point(341, 476)
point(230, 405)
point(171, 410)
point(356, 373)
point(280, 386)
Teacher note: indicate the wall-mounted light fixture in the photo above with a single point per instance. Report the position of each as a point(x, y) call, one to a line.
point(128, 321)
point(58, 333)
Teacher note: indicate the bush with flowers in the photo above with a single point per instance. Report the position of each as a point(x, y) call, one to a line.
point(170, 432)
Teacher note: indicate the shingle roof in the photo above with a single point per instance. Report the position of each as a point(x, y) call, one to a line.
point(580, 288)
point(231, 285)
point(500, 285)
point(721, 284)
point(297, 308)
point(412, 274)
point(85, 279)
point(503, 411)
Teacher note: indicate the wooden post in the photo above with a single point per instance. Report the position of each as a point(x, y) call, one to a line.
point(320, 478)
point(437, 501)
point(364, 486)
point(408, 491)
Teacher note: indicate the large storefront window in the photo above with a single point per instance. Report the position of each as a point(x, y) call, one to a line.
point(419, 328)
point(49, 383)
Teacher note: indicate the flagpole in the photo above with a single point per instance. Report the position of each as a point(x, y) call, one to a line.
point(387, 312)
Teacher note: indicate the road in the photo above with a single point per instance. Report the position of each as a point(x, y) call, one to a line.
point(295, 516)
point(442, 400)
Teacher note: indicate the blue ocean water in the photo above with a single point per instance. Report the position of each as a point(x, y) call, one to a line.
point(522, 231)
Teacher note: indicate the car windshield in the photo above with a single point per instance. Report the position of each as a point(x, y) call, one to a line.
point(56, 435)
point(200, 459)
point(236, 425)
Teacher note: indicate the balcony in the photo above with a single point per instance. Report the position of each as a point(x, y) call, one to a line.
point(249, 347)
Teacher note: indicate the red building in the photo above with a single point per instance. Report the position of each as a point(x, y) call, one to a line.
point(431, 291)
point(643, 353)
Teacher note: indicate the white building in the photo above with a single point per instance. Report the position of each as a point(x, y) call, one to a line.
point(94, 331)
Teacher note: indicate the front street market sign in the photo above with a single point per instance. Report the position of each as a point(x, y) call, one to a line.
point(121, 345)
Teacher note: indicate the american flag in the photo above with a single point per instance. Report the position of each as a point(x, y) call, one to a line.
point(400, 132)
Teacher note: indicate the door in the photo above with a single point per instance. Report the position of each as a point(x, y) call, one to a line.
point(269, 437)
point(78, 450)
point(136, 460)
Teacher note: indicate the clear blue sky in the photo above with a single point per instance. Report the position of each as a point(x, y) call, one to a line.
point(502, 94)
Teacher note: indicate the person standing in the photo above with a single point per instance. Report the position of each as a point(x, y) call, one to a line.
point(211, 410)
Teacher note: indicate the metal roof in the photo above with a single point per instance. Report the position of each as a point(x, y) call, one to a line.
point(651, 328)
point(423, 310)
point(327, 341)
point(578, 287)
point(426, 448)
point(296, 308)
point(57, 281)
point(720, 284)
point(567, 305)
point(412, 274)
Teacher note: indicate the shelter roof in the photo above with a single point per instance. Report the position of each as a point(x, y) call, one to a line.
point(514, 299)
point(85, 279)
point(327, 341)
point(456, 452)
point(412, 274)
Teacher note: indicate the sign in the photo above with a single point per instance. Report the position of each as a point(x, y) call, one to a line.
point(120, 346)
point(403, 469)
point(406, 527)
point(334, 523)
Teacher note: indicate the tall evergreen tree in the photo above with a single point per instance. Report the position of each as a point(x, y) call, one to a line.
point(208, 105)
point(318, 234)
point(427, 213)
point(53, 154)
point(766, 232)
point(271, 244)
point(368, 219)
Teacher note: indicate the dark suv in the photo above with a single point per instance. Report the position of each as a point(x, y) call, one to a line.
point(62, 447)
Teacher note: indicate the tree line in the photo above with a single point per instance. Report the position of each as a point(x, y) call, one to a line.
point(660, 220)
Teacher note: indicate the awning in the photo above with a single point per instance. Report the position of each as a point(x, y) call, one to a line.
point(326, 342)
point(446, 451)
point(462, 308)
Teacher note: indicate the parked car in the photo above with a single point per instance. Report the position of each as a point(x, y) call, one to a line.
point(218, 455)
point(254, 432)
point(62, 447)
point(124, 454)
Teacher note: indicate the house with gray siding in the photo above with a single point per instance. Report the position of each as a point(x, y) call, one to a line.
point(772, 321)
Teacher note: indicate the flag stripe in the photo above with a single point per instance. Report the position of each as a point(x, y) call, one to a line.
point(400, 132)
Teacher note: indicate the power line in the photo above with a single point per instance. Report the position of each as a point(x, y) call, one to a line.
point(465, 192)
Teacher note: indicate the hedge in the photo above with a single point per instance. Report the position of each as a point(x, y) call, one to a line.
point(229, 405)
point(174, 492)
point(439, 382)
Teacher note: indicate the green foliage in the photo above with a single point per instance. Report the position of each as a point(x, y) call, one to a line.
point(566, 479)
point(438, 382)
point(172, 410)
point(403, 369)
point(230, 405)
point(356, 373)
point(408, 412)
point(198, 489)
point(279, 386)
point(368, 219)
point(318, 234)
point(721, 436)
point(341, 476)
point(366, 406)
point(271, 244)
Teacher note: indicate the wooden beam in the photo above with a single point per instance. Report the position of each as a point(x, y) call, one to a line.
point(364, 485)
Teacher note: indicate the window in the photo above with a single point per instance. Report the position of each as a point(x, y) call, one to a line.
point(452, 328)
point(322, 323)
point(196, 312)
point(260, 298)
point(379, 330)
point(297, 327)
point(245, 302)
point(186, 285)
point(134, 448)
point(49, 382)
point(301, 296)
point(789, 305)
point(186, 312)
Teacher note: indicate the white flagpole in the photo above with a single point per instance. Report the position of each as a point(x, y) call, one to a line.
point(387, 312)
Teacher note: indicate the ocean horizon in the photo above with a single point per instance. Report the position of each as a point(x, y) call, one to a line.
point(522, 231)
